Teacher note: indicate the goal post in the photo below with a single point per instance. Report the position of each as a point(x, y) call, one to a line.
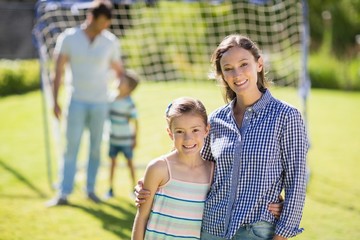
point(172, 40)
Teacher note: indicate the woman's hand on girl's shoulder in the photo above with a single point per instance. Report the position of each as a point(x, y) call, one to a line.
point(141, 194)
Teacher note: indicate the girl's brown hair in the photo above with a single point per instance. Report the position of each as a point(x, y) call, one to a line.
point(185, 105)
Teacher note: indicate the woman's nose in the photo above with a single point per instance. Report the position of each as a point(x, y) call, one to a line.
point(237, 72)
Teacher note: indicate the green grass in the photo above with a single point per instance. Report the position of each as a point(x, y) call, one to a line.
point(332, 210)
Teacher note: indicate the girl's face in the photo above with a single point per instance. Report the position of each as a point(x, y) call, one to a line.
point(188, 133)
point(240, 70)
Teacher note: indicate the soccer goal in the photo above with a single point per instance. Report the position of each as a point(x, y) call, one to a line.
point(172, 40)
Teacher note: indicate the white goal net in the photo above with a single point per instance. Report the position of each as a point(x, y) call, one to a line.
point(166, 40)
point(173, 40)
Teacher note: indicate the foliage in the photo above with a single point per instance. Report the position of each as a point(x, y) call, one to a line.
point(19, 76)
point(344, 25)
point(161, 27)
point(334, 61)
point(327, 71)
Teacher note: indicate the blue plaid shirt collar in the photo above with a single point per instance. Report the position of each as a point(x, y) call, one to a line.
point(264, 100)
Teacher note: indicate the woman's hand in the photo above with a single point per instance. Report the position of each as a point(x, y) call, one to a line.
point(277, 237)
point(140, 194)
point(276, 208)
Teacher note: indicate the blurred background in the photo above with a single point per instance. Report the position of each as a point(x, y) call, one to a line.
point(334, 44)
point(169, 43)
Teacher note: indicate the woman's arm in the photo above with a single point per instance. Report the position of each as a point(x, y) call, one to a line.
point(294, 146)
point(155, 176)
point(143, 194)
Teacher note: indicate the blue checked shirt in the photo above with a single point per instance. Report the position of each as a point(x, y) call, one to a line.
point(254, 164)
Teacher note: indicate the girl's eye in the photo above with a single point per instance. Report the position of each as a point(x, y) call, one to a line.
point(243, 64)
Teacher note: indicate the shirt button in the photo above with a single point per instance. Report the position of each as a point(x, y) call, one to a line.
point(250, 109)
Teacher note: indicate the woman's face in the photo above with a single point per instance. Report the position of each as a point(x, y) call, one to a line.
point(240, 70)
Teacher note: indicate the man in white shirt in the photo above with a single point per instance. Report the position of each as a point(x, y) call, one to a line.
point(86, 53)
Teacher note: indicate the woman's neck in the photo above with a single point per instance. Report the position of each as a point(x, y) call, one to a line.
point(246, 100)
point(242, 103)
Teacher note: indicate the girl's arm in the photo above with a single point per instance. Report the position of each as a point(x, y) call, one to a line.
point(156, 174)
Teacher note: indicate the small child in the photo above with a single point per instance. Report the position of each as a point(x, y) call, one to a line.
point(123, 126)
point(178, 181)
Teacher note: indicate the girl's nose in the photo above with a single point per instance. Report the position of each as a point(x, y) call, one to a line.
point(187, 136)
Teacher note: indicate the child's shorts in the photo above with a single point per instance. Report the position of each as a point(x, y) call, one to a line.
point(126, 150)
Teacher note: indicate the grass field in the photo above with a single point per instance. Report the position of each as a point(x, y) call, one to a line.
point(332, 210)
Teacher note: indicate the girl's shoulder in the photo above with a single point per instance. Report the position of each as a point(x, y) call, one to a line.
point(156, 174)
point(157, 171)
point(157, 164)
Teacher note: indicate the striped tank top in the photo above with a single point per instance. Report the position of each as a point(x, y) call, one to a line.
point(177, 210)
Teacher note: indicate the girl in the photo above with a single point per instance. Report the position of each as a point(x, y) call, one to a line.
point(178, 181)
